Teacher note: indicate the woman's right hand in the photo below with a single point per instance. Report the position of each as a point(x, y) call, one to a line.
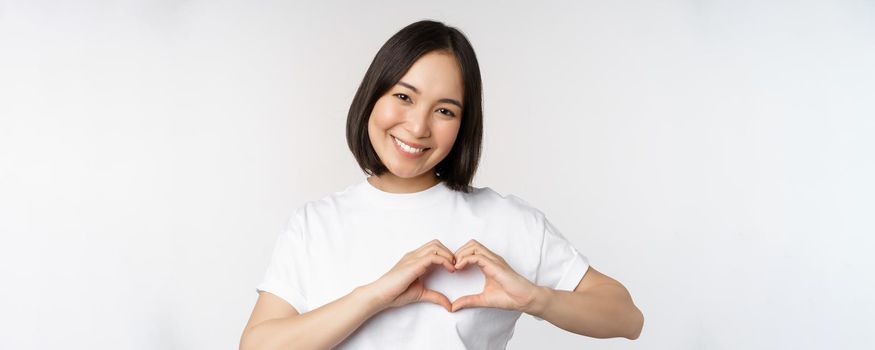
point(402, 285)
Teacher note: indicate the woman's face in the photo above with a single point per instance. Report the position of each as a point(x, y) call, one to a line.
point(423, 111)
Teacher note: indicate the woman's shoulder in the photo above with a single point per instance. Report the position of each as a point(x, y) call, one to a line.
point(507, 203)
point(329, 202)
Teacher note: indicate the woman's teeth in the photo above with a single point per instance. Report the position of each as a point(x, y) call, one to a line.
point(407, 148)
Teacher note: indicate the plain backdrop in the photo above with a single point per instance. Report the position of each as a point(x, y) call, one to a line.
point(716, 157)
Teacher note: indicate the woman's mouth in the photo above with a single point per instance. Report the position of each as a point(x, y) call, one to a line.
point(407, 150)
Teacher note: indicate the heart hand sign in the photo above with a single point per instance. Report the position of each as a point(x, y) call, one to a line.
point(503, 287)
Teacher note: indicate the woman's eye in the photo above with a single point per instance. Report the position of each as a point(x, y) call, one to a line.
point(403, 97)
point(448, 112)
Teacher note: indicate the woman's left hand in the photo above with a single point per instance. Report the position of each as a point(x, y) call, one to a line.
point(504, 288)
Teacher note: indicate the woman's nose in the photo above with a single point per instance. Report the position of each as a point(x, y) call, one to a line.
point(417, 122)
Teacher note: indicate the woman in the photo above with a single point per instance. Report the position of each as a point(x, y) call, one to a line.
point(413, 257)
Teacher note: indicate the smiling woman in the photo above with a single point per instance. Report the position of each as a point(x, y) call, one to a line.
point(413, 256)
point(412, 129)
point(422, 87)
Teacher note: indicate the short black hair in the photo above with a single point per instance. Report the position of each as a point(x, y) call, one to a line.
point(392, 61)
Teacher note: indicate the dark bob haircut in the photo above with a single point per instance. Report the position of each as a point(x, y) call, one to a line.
point(393, 60)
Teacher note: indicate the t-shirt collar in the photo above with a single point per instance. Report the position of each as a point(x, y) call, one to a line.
point(414, 200)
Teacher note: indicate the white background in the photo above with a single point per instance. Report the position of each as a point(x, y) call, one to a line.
point(716, 157)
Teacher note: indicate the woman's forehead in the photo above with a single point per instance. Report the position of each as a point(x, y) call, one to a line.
point(435, 74)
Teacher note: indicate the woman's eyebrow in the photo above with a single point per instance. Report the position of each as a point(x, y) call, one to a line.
point(447, 100)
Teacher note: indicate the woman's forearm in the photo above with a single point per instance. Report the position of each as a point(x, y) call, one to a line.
point(320, 328)
point(603, 311)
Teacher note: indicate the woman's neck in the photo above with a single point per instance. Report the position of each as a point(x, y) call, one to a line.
point(388, 182)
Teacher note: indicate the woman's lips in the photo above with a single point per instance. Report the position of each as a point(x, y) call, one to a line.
point(411, 144)
point(408, 154)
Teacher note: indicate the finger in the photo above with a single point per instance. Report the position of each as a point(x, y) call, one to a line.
point(437, 298)
point(473, 300)
point(443, 247)
point(435, 247)
point(436, 251)
point(465, 247)
point(435, 243)
point(473, 245)
point(482, 261)
point(446, 250)
point(479, 249)
point(439, 260)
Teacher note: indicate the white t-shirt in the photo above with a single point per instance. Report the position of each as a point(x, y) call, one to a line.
point(352, 237)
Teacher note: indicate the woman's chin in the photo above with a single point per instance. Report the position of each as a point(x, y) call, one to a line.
point(406, 173)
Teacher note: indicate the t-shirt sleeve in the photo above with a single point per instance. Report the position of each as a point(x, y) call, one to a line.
point(287, 270)
point(562, 266)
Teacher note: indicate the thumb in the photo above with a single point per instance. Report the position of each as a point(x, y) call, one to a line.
point(435, 297)
point(472, 300)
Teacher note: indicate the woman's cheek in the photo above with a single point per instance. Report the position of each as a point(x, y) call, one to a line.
point(447, 134)
point(388, 114)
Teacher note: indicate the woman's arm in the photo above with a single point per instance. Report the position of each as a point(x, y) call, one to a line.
point(275, 324)
point(600, 307)
point(320, 328)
